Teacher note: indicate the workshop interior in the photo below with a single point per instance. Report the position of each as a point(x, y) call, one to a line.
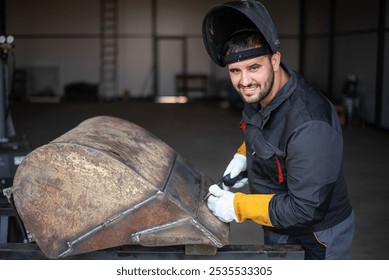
point(97, 95)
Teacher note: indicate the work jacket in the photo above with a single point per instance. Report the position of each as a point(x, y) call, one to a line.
point(294, 149)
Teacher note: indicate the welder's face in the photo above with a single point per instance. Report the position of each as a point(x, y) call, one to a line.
point(253, 78)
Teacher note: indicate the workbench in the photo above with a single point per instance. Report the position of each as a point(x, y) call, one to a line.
point(30, 251)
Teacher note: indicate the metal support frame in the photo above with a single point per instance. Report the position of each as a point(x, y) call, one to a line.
point(331, 50)
point(7, 210)
point(155, 47)
point(20, 251)
point(2, 17)
point(3, 228)
point(302, 36)
point(380, 63)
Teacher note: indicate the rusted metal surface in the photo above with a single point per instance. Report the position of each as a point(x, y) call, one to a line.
point(107, 183)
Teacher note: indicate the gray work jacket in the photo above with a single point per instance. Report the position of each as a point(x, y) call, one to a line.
point(295, 150)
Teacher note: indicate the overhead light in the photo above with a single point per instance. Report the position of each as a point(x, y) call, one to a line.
point(172, 99)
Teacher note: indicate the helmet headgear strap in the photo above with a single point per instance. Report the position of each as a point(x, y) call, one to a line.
point(247, 54)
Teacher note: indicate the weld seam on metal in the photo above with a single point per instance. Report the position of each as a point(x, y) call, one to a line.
point(135, 236)
point(201, 228)
point(202, 193)
point(70, 244)
point(170, 172)
point(137, 206)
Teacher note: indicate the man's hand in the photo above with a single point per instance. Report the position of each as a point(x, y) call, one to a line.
point(221, 203)
point(236, 165)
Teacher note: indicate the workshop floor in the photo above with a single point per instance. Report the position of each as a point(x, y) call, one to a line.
point(207, 136)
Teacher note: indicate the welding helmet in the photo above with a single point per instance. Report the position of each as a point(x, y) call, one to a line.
point(223, 20)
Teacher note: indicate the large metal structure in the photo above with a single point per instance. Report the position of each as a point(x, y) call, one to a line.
point(108, 183)
point(108, 189)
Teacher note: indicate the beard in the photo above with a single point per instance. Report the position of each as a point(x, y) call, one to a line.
point(264, 90)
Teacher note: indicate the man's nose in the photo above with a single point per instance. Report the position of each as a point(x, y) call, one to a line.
point(246, 78)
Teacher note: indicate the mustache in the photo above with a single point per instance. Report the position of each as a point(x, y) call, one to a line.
point(251, 85)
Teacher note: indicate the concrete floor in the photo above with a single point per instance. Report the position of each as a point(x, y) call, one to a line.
point(207, 136)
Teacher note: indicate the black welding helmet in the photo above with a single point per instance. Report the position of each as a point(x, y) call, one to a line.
point(223, 20)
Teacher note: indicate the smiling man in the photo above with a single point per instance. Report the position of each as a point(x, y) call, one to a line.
point(257, 79)
point(292, 140)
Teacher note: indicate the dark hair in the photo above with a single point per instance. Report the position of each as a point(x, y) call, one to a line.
point(244, 40)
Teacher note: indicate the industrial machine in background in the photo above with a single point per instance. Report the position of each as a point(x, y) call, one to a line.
point(11, 152)
point(7, 129)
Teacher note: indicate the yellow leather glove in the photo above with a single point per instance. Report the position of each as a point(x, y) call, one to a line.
point(242, 149)
point(254, 207)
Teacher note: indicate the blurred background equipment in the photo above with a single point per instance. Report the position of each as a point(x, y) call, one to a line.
point(6, 125)
point(11, 153)
point(350, 97)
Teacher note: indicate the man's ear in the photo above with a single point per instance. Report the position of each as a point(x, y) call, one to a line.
point(276, 60)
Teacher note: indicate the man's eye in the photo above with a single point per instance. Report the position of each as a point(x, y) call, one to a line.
point(234, 71)
point(254, 68)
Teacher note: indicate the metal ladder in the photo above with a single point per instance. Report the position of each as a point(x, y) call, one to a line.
point(109, 49)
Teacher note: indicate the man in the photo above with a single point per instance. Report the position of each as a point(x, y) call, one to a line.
point(293, 144)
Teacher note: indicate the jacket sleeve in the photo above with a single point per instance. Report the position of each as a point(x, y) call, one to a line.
point(313, 163)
